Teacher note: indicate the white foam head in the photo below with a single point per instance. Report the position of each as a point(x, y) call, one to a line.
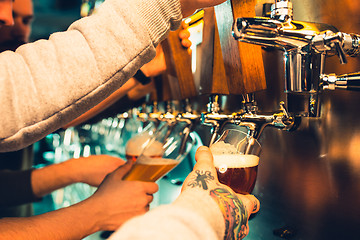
point(137, 143)
point(235, 160)
point(223, 148)
point(226, 154)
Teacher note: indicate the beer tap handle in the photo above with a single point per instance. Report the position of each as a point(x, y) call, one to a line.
point(283, 110)
point(340, 52)
point(351, 43)
point(214, 134)
point(186, 134)
point(349, 81)
point(332, 40)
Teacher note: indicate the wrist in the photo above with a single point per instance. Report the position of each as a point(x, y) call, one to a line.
point(85, 217)
point(47, 179)
point(96, 215)
point(71, 172)
point(142, 78)
point(187, 7)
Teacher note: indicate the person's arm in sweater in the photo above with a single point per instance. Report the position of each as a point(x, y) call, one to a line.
point(48, 83)
point(109, 207)
point(141, 78)
point(205, 209)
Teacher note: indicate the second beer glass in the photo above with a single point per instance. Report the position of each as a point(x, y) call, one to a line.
point(161, 153)
point(236, 159)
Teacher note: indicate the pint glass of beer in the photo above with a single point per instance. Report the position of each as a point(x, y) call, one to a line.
point(159, 154)
point(236, 159)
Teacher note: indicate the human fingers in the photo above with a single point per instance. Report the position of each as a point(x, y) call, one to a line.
point(251, 203)
point(150, 198)
point(184, 34)
point(189, 6)
point(204, 159)
point(186, 43)
point(123, 169)
point(204, 173)
point(150, 187)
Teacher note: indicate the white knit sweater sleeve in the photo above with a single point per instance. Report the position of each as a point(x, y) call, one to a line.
point(46, 84)
point(193, 216)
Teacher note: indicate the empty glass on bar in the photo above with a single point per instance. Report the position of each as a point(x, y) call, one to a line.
point(161, 153)
point(236, 159)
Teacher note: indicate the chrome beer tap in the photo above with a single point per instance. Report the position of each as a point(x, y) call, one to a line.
point(345, 81)
point(305, 46)
point(154, 114)
point(169, 116)
point(214, 118)
point(248, 117)
point(188, 115)
point(191, 119)
point(256, 122)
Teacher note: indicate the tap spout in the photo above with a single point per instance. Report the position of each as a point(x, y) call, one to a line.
point(349, 81)
point(256, 123)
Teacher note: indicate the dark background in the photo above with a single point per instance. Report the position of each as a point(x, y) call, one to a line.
point(53, 15)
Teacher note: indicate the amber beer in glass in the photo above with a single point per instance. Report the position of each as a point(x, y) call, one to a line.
point(236, 159)
point(150, 170)
point(239, 172)
point(159, 154)
point(150, 166)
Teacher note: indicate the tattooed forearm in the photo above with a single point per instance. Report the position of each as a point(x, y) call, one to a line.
point(234, 212)
point(201, 179)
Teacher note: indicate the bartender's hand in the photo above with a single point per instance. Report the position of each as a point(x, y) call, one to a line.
point(93, 169)
point(184, 36)
point(116, 201)
point(157, 65)
point(189, 6)
point(236, 208)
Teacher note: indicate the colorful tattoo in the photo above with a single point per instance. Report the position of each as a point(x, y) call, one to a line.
point(201, 179)
point(234, 212)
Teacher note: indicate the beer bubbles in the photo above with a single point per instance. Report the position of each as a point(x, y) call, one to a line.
point(235, 168)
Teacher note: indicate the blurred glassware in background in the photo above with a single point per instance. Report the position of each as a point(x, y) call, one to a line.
point(75, 142)
point(88, 7)
point(113, 136)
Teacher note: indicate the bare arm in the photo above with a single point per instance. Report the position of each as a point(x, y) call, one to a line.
point(54, 225)
point(91, 170)
point(111, 205)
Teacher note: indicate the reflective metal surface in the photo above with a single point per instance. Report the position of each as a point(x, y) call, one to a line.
point(309, 180)
point(305, 46)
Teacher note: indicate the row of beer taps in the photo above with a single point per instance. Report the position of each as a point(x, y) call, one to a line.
point(247, 117)
point(306, 46)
